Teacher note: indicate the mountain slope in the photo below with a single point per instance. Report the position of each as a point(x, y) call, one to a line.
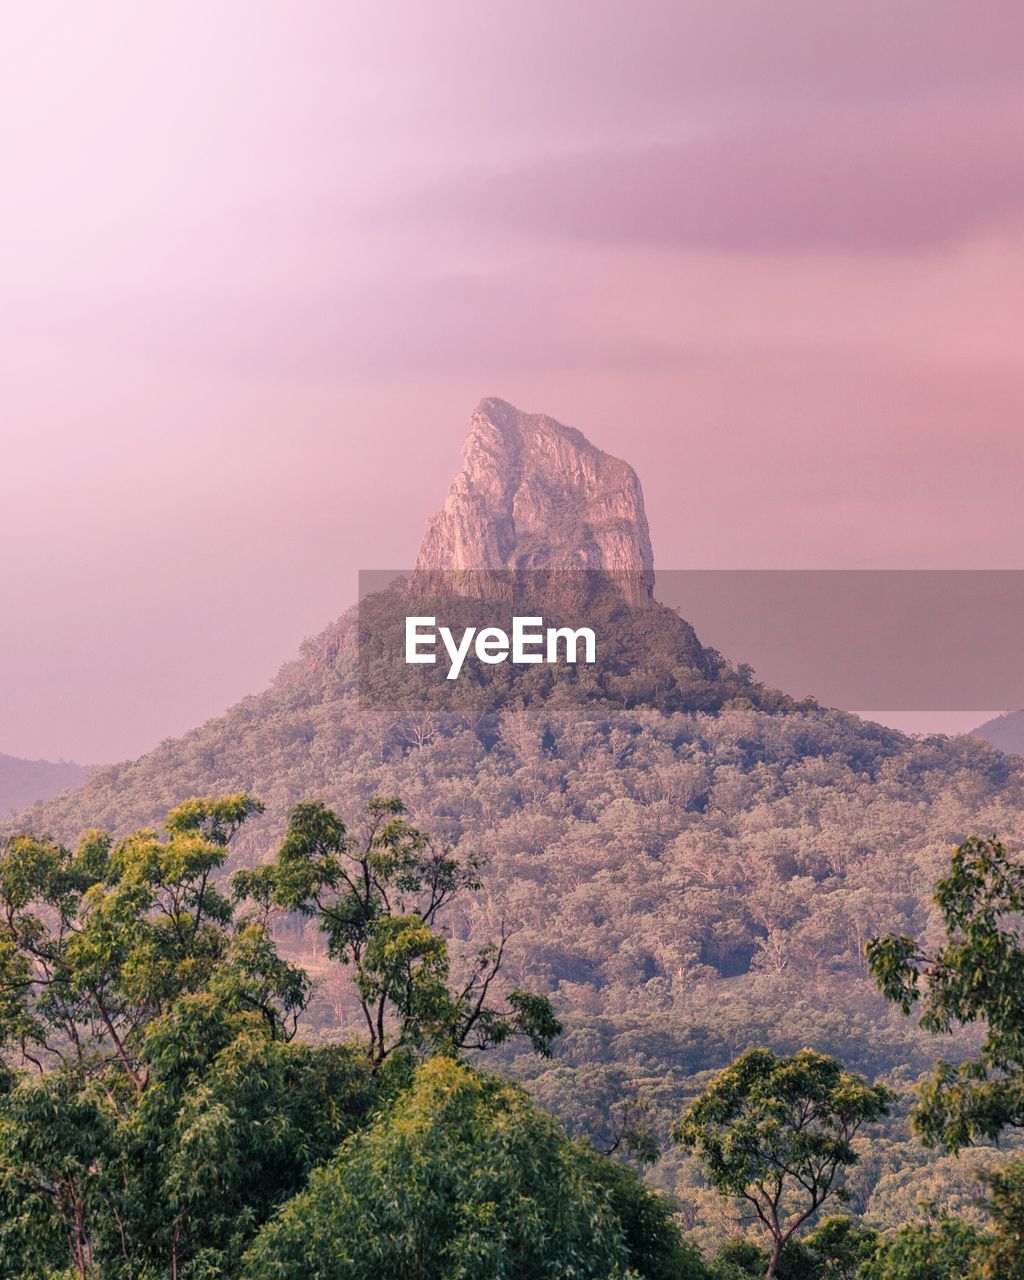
point(1005, 732)
point(23, 782)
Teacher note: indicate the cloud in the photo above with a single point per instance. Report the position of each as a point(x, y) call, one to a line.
point(875, 179)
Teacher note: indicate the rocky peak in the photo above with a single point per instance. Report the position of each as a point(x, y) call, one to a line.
point(534, 494)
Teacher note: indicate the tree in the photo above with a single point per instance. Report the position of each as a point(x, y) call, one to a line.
point(603, 1104)
point(95, 944)
point(466, 1178)
point(976, 976)
point(239, 1119)
point(839, 1246)
point(777, 1132)
point(230, 1124)
point(99, 948)
point(158, 1108)
point(835, 1250)
point(378, 899)
point(927, 1251)
point(1003, 1258)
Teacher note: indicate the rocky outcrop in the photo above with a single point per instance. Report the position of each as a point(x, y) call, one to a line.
point(534, 494)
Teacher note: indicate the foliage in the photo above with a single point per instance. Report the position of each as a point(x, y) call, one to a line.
point(159, 1109)
point(239, 1120)
point(838, 1246)
point(603, 1104)
point(834, 1251)
point(96, 944)
point(377, 899)
point(658, 866)
point(927, 1251)
point(672, 876)
point(229, 1125)
point(1003, 1258)
point(465, 1178)
point(976, 976)
point(777, 1133)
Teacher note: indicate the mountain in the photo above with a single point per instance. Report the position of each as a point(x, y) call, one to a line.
point(534, 494)
point(1005, 732)
point(23, 782)
point(691, 862)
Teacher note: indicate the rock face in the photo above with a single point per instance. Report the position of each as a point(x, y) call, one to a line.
point(534, 494)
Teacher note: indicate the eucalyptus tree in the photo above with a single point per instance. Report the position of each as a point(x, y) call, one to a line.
point(378, 897)
point(777, 1133)
point(975, 977)
point(156, 1104)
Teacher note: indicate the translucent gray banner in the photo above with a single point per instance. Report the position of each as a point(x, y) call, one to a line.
point(905, 639)
point(913, 640)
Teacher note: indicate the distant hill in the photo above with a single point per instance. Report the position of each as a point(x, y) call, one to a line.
point(25, 782)
point(1005, 732)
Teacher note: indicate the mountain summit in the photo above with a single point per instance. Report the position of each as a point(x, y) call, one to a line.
point(535, 494)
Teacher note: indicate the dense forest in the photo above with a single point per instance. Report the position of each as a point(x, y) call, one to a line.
point(163, 1114)
point(685, 864)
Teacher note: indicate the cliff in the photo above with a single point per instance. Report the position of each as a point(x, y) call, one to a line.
point(535, 494)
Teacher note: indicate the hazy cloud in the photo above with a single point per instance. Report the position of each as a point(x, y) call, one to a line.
point(866, 180)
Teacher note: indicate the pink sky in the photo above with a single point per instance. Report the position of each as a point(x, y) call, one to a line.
point(258, 263)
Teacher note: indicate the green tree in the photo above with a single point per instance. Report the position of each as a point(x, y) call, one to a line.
point(230, 1126)
point(466, 1178)
point(98, 949)
point(834, 1250)
point(602, 1103)
point(941, 1250)
point(158, 1108)
point(839, 1245)
point(60, 1146)
point(777, 1133)
point(377, 898)
point(977, 975)
point(97, 943)
point(1003, 1257)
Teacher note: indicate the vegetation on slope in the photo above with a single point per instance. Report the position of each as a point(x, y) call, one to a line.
point(159, 1115)
point(681, 882)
